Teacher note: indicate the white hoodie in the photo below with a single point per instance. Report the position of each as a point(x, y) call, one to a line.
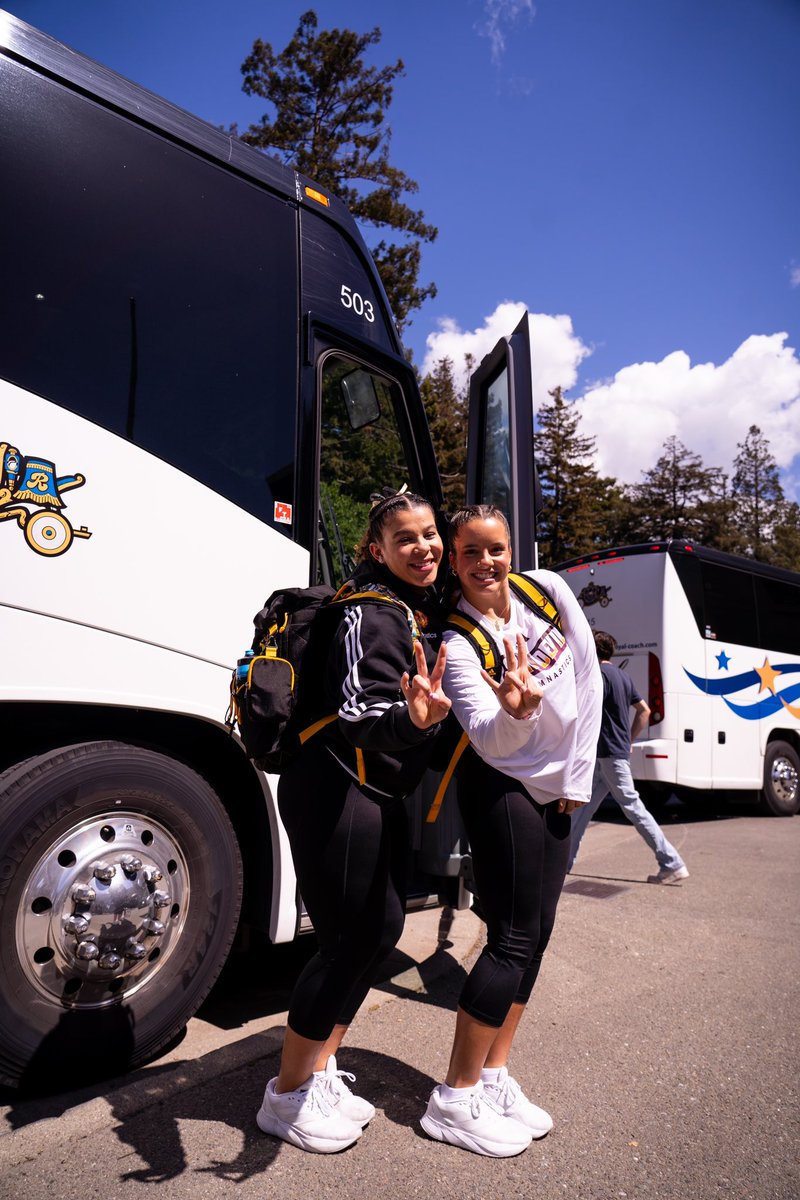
point(553, 752)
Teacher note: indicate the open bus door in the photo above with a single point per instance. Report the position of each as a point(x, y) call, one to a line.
point(500, 462)
point(501, 471)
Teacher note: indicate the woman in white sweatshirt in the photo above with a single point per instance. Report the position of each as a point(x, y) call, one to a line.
point(533, 737)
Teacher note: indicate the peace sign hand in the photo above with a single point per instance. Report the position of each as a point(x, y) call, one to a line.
point(427, 703)
point(519, 694)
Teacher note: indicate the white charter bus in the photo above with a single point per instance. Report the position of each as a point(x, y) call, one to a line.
point(200, 384)
point(712, 642)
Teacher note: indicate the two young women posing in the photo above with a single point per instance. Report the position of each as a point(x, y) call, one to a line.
point(341, 800)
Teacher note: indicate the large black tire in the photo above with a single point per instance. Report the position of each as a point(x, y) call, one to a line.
point(102, 968)
point(781, 793)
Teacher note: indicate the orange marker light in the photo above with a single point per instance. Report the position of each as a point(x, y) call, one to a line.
point(313, 194)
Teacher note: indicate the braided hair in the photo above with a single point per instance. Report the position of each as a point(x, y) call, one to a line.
point(384, 506)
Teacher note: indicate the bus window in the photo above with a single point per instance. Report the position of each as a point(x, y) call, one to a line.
point(495, 440)
point(730, 605)
point(150, 292)
point(361, 451)
point(779, 614)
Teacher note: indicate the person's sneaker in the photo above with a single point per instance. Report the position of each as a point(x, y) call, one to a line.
point(474, 1124)
point(306, 1118)
point(508, 1097)
point(355, 1108)
point(669, 875)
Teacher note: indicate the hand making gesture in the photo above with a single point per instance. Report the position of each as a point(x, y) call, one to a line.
point(519, 694)
point(427, 703)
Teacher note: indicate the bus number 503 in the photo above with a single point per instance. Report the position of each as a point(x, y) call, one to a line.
point(360, 306)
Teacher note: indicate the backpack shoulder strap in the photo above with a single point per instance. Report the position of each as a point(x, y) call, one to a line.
point(534, 597)
point(482, 643)
point(377, 594)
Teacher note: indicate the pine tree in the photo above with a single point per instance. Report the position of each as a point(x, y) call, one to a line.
point(786, 537)
point(330, 124)
point(671, 500)
point(758, 493)
point(574, 496)
point(715, 525)
point(447, 408)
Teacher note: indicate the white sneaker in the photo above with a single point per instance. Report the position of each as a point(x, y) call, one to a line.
point(475, 1124)
point(355, 1108)
point(507, 1096)
point(306, 1118)
point(667, 875)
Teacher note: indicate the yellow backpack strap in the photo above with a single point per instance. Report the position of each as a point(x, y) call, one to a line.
point(461, 746)
point(310, 730)
point(532, 595)
point(481, 643)
point(491, 662)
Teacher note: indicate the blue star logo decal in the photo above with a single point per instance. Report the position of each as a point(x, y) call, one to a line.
point(722, 661)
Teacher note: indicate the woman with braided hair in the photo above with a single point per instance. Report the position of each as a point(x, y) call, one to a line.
point(341, 801)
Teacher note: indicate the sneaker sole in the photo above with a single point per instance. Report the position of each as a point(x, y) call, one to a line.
point(268, 1123)
point(458, 1137)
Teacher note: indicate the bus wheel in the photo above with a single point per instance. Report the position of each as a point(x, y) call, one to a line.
point(781, 794)
point(120, 888)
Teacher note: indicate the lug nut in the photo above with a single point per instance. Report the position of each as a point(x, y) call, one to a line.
point(134, 949)
point(83, 893)
point(109, 961)
point(154, 928)
point(161, 899)
point(130, 864)
point(87, 951)
point(104, 871)
point(152, 875)
point(76, 925)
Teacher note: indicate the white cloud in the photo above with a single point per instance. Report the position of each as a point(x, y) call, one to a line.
point(709, 408)
point(794, 277)
point(555, 350)
point(499, 15)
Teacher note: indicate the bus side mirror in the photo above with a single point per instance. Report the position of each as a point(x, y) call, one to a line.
point(360, 398)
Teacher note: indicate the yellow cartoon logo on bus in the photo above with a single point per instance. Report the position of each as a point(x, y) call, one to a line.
point(28, 481)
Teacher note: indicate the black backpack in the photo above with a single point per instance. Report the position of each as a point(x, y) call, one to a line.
point(455, 741)
point(271, 702)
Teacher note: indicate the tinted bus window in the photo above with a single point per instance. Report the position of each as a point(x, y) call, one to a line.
point(148, 290)
point(779, 614)
point(363, 449)
point(495, 467)
point(730, 605)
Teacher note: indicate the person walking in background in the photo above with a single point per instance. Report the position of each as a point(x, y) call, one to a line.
point(612, 771)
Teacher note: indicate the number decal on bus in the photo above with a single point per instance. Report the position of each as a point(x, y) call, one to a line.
point(360, 306)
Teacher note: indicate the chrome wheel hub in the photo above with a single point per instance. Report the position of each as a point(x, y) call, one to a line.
point(784, 780)
point(102, 910)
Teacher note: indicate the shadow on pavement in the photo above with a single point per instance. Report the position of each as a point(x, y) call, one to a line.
point(224, 1087)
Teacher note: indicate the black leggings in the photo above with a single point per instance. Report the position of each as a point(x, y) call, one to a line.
point(351, 860)
point(520, 851)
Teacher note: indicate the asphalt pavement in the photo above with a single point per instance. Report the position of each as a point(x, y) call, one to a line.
point(662, 1036)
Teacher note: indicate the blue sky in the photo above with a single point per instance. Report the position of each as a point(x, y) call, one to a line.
point(626, 169)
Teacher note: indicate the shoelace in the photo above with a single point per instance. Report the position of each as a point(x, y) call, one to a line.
point(334, 1084)
point(317, 1098)
point(507, 1094)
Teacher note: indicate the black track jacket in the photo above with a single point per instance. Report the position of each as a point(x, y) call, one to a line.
point(374, 739)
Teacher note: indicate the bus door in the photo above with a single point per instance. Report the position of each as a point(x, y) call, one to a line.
point(363, 433)
point(500, 460)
